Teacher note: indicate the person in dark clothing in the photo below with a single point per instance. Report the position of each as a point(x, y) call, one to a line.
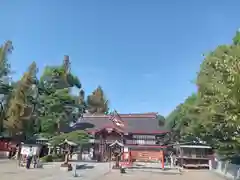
point(10, 153)
point(29, 157)
point(35, 161)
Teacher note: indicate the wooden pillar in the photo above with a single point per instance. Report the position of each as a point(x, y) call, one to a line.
point(101, 147)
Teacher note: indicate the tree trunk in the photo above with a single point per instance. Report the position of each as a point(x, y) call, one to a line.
point(1, 117)
point(54, 150)
point(58, 126)
point(80, 152)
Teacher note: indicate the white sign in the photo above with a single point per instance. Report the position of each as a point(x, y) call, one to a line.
point(125, 149)
point(25, 150)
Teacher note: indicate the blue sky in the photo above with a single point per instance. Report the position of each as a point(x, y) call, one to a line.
point(144, 53)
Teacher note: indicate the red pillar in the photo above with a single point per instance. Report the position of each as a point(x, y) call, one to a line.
point(162, 158)
point(129, 156)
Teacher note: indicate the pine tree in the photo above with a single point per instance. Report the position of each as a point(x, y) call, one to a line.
point(58, 106)
point(5, 88)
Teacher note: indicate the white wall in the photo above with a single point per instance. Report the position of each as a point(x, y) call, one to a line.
point(228, 170)
point(4, 154)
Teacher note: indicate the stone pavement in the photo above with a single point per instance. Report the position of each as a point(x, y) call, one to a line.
point(97, 171)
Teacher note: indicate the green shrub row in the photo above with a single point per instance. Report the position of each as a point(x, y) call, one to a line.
point(53, 158)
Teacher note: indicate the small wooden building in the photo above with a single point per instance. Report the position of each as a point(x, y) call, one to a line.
point(193, 155)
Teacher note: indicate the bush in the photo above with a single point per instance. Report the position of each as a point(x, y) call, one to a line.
point(53, 158)
point(48, 158)
point(58, 157)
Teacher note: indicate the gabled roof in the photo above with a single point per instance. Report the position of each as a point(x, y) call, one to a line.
point(68, 142)
point(134, 123)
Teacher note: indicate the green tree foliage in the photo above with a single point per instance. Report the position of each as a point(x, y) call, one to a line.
point(59, 77)
point(97, 102)
point(236, 39)
point(219, 101)
point(81, 101)
point(77, 137)
point(20, 109)
point(43, 106)
point(5, 50)
point(5, 88)
point(212, 114)
point(161, 120)
point(54, 110)
point(182, 119)
point(58, 107)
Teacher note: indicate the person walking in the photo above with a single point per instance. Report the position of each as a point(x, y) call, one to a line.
point(29, 157)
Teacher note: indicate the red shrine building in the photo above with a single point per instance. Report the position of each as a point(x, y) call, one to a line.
point(141, 136)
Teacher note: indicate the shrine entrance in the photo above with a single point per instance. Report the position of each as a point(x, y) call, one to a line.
point(104, 139)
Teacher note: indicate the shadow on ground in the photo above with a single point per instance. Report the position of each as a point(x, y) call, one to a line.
point(149, 167)
point(153, 172)
point(84, 166)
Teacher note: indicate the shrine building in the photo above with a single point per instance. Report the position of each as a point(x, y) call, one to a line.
point(140, 134)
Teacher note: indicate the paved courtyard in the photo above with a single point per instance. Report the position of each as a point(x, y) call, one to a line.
point(144, 175)
point(96, 171)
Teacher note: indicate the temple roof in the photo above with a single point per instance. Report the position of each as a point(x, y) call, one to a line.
point(134, 123)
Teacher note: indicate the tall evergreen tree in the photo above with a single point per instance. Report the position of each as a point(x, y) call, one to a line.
point(5, 88)
point(57, 106)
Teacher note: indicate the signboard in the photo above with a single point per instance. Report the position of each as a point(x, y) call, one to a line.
point(26, 149)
